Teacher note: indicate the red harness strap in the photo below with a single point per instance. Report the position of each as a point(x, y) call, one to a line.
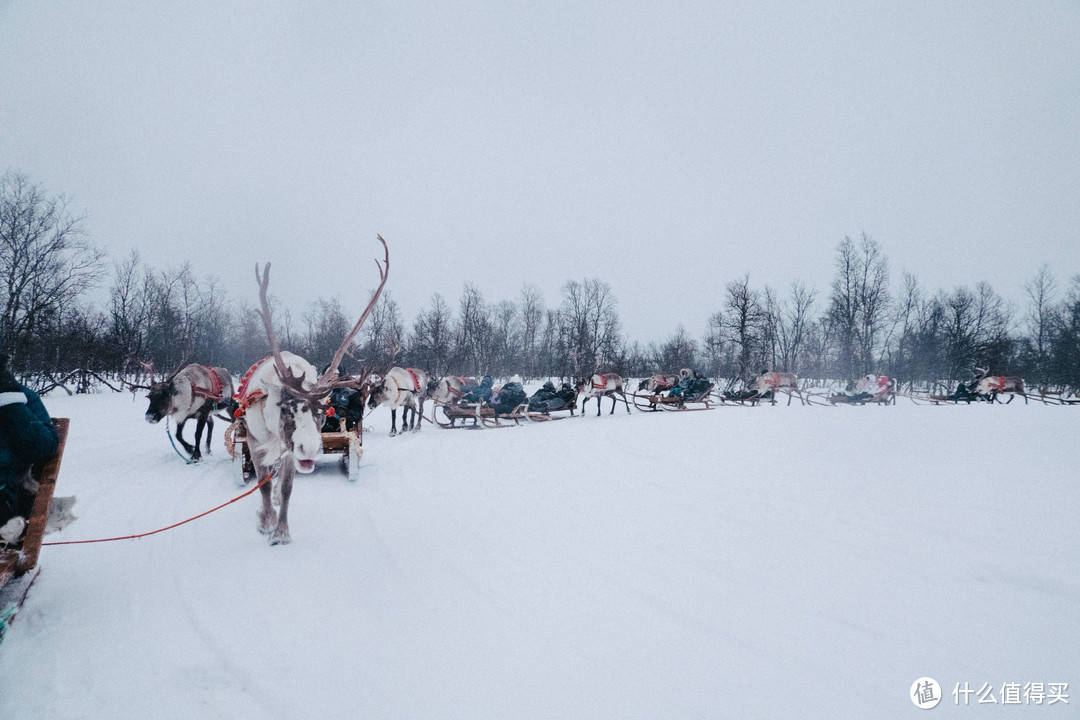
point(214, 393)
point(244, 398)
point(602, 385)
point(415, 380)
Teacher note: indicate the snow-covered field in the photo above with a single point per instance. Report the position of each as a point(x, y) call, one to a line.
point(771, 562)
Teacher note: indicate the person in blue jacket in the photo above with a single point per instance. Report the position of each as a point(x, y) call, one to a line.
point(27, 436)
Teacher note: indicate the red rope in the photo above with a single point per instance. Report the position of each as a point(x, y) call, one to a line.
point(170, 527)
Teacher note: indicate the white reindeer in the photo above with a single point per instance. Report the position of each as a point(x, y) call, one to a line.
point(776, 381)
point(602, 385)
point(406, 388)
point(282, 408)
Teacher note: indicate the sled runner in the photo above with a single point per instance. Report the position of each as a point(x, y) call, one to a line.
point(702, 400)
point(18, 565)
point(482, 415)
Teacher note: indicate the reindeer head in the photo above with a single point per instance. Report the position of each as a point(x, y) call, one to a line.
point(378, 394)
point(163, 395)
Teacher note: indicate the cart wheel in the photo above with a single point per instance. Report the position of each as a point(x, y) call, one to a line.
point(247, 467)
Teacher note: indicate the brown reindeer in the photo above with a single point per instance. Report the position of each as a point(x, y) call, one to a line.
point(194, 391)
point(282, 406)
point(601, 385)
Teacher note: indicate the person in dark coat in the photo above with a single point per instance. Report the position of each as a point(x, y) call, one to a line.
point(510, 396)
point(27, 436)
point(541, 399)
point(479, 394)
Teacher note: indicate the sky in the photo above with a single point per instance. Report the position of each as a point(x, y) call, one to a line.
point(666, 148)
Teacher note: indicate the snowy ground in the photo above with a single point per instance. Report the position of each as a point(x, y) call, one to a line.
point(773, 562)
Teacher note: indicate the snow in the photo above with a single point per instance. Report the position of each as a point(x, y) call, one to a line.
point(806, 562)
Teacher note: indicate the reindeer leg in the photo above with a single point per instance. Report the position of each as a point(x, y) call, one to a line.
point(281, 531)
point(393, 422)
point(627, 402)
point(267, 517)
point(614, 402)
point(420, 415)
point(208, 409)
point(192, 451)
point(200, 426)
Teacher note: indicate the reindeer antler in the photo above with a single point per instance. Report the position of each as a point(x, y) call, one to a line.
point(384, 272)
point(148, 368)
point(328, 380)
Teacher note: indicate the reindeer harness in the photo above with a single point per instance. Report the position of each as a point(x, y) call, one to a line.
point(214, 392)
point(245, 398)
point(415, 389)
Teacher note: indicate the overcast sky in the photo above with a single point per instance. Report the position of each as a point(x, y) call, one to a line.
point(664, 147)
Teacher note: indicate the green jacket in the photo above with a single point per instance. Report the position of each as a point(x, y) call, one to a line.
point(27, 436)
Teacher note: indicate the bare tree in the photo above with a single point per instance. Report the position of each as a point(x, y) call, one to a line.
point(532, 317)
point(794, 325)
point(678, 351)
point(743, 317)
point(430, 344)
point(1041, 321)
point(592, 325)
point(46, 261)
point(474, 331)
point(384, 334)
point(859, 303)
point(326, 323)
point(713, 346)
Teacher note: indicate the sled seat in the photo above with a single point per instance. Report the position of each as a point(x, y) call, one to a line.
point(18, 565)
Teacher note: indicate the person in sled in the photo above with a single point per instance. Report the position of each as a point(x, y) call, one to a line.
point(691, 386)
point(510, 396)
point(544, 399)
point(547, 398)
point(27, 436)
point(345, 411)
point(479, 394)
point(964, 393)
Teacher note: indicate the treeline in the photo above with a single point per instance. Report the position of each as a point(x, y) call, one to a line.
point(863, 323)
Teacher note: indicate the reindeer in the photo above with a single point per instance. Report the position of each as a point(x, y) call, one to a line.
point(598, 386)
point(281, 407)
point(776, 381)
point(658, 383)
point(994, 385)
point(449, 390)
point(405, 388)
point(194, 391)
point(880, 388)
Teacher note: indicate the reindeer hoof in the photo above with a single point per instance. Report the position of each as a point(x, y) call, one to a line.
point(280, 537)
point(267, 522)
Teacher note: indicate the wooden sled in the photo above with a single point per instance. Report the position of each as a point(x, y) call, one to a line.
point(349, 444)
point(888, 398)
point(750, 398)
point(18, 565)
point(535, 416)
point(480, 414)
point(654, 403)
